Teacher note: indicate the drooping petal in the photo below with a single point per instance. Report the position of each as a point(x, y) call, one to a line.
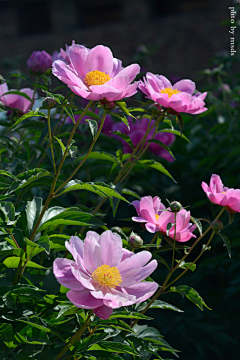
point(83, 299)
point(63, 273)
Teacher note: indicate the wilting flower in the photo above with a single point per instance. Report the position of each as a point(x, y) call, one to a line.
point(16, 101)
point(103, 275)
point(178, 97)
point(138, 131)
point(156, 218)
point(39, 62)
point(95, 75)
point(222, 195)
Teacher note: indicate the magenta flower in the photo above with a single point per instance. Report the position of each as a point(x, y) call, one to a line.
point(178, 97)
point(221, 195)
point(95, 75)
point(149, 210)
point(103, 275)
point(39, 62)
point(137, 132)
point(15, 101)
point(156, 218)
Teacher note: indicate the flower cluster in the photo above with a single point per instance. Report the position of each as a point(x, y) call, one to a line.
point(104, 276)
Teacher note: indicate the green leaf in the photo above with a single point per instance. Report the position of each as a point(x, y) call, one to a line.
point(9, 213)
point(156, 165)
point(160, 143)
point(33, 210)
point(176, 132)
point(101, 155)
point(158, 304)
point(43, 243)
point(127, 315)
point(27, 115)
point(102, 355)
point(89, 341)
point(191, 294)
point(6, 332)
point(123, 107)
point(198, 224)
point(114, 347)
point(130, 192)
point(17, 252)
point(6, 173)
point(184, 265)
point(13, 262)
point(99, 188)
point(61, 144)
point(16, 92)
point(169, 226)
point(27, 178)
point(125, 137)
point(93, 125)
point(226, 243)
point(123, 118)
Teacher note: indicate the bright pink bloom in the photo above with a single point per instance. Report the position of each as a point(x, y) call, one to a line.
point(103, 275)
point(149, 210)
point(39, 62)
point(63, 55)
point(16, 101)
point(137, 132)
point(156, 218)
point(95, 75)
point(178, 97)
point(221, 195)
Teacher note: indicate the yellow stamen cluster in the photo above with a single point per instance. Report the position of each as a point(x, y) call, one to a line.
point(107, 276)
point(169, 91)
point(157, 217)
point(96, 77)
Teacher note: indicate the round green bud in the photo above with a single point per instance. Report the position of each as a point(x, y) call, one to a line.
point(175, 206)
point(217, 225)
point(135, 240)
point(49, 103)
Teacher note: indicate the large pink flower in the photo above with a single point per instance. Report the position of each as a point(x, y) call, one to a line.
point(103, 275)
point(15, 101)
point(95, 74)
point(178, 97)
point(156, 218)
point(148, 210)
point(138, 131)
point(221, 195)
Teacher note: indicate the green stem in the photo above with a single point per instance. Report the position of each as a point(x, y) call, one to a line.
point(76, 337)
point(50, 140)
point(175, 228)
point(34, 91)
point(86, 156)
point(153, 239)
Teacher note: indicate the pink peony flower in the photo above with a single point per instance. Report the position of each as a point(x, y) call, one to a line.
point(39, 62)
point(63, 55)
point(103, 275)
point(136, 133)
point(95, 75)
point(221, 195)
point(178, 97)
point(156, 218)
point(15, 101)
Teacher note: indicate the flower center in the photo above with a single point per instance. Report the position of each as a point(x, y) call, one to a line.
point(157, 217)
point(169, 91)
point(96, 77)
point(107, 276)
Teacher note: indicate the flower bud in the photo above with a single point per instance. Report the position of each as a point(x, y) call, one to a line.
point(217, 225)
point(175, 206)
point(40, 62)
point(49, 103)
point(135, 240)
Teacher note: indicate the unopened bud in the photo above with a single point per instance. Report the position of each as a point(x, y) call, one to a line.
point(175, 206)
point(135, 240)
point(217, 225)
point(49, 103)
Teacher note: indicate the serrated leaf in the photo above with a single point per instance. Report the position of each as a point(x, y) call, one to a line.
point(226, 243)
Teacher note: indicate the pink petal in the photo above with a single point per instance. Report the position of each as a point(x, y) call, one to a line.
point(147, 270)
point(164, 80)
point(92, 254)
point(99, 58)
point(119, 82)
point(142, 290)
point(63, 273)
point(86, 94)
point(134, 262)
point(136, 204)
point(105, 91)
point(117, 67)
point(152, 228)
point(138, 219)
point(126, 254)
point(185, 85)
point(64, 73)
point(78, 55)
point(83, 299)
point(216, 184)
point(146, 209)
point(131, 71)
point(84, 279)
point(103, 312)
point(111, 245)
point(75, 247)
